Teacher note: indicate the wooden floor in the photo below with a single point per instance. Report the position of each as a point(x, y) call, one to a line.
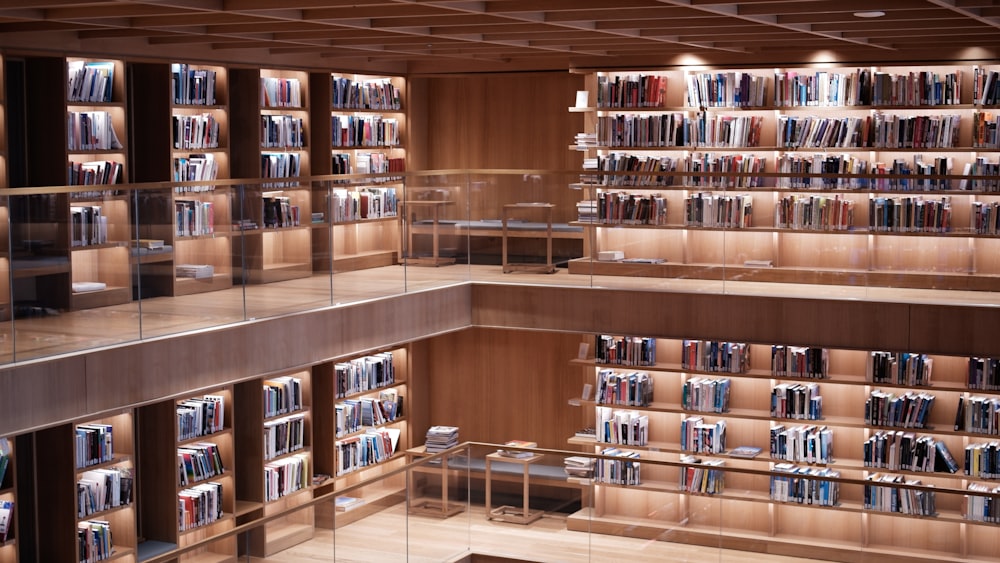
point(392, 536)
point(36, 337)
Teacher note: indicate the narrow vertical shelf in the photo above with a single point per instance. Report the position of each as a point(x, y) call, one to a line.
point(274, 448)
point(361, 119)
point(269, 132)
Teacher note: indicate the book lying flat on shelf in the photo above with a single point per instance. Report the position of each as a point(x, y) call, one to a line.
point(440, 438)
point(643, 261)
point(586, 433)
point(518, 454)
point(196, 271)
point(83, 287)
point(579, 466)
point(345, 504)
point(747, 452)
point(152, 244)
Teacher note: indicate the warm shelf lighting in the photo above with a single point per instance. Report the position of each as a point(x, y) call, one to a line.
point(869, 14)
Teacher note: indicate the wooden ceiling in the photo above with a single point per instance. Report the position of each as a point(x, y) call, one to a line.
point(424, 35)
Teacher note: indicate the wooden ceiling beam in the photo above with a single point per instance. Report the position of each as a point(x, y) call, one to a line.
point(514, 6)
point(118, 10)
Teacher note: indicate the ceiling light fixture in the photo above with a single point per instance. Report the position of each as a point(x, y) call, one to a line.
point(869, 14)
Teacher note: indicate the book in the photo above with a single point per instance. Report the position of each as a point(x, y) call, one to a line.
point(6, 517)
point(518, 454)
point(747, 452)
point(345, 503)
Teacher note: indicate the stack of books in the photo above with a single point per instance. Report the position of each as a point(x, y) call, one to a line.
point(345, 504)
point(440, 438)
point(517, 454)
point(579, 466)
point(197, 271)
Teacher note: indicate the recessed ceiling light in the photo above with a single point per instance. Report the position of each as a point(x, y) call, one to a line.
point(870, 14)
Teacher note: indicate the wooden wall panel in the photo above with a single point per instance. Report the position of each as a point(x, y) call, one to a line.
point(498, 385)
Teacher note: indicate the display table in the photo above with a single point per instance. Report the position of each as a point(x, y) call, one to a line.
point(522, 515)
point(438, 508)
point(436, 207)
point(511, 209)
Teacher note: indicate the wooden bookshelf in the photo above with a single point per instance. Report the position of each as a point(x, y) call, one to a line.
point(350, 236)
point(183, 110)
point(329, 378)
point(59, 469)
point(160, 442)
point(271, 219)
point(50, 256)
point(768, 249)
point(255, 458)
point(749, 517)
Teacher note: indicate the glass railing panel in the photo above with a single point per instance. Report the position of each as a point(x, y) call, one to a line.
point(439, 513)
point(272, 242)
point(435, 237)
point(182, 259)
point(70, 255)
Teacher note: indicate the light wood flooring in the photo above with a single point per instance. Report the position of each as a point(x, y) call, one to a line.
point(392, 536)
point(29, 338)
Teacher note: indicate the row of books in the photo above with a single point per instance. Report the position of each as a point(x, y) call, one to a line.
point(837, 166)
point(94, 172)
point(814, 213)
point(624, 162)
point(623, 208)
point(984, 373)
point(364, 131)
point(796, 401)
point(193, 217)
point(985, 220)
point(726, 89)
point(901, 368)
point(910, 214)
point(722, 164)
point(91, 131)
point(985, 130)
point(865, 87)
point(374, 446)
point(98, 490)
point(198, 462)
point(284, 435)
point(280, 165)
point(200, 416)
point(368, 163)
point(195, 167)
point(93, 540)
point(700, 436)
point(280, 92)
point(90, 81)
point(281, 132)
point(94, 444)
point(699, 477)
point(983, 460)
point(979, 415)
point(623, 469)
point(716, 210)
point(909, 410)
point(805, 485)
point(282, 395)
point(88, 224)
point(280, 212)
point(373, 94)
point(980, 508)
point(634, 389)
point(887, 498)
point(364, 374)
point(706, 395)
point(885, 131)
point(712, 355)
point(625, 350)
point(354, 414)
point(631, 91)
point(678, 129)
point(195, 131)
point(802, 444)
point(199, 506)
point(985, 86)
point(800, 361)
point(192, 86)
point(898, 450)
point(621, 426)
point(366, 203)
point(285, 476)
